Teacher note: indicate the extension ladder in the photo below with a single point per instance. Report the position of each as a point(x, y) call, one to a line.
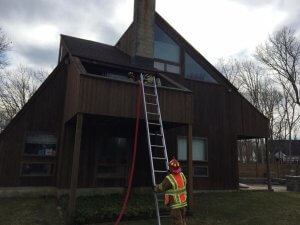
point(155, 133)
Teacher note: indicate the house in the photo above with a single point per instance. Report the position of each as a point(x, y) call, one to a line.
point(82, 117)
point(280, 151)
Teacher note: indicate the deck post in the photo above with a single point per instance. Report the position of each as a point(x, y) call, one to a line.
point(75, 167)
point(190, 167)
point(268, 166)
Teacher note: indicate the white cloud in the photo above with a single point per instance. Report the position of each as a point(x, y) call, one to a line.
point(216, 28)
point(221, 28)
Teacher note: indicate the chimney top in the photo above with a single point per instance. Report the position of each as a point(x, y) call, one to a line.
point(144, 20)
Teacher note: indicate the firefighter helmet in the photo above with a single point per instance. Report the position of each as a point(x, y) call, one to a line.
point(174, 166)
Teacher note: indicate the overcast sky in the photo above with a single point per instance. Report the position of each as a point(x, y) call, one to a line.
point(216, 28)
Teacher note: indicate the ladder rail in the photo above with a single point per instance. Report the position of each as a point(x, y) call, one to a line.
point(148, 133)
point(161, 126)
point(162, 145)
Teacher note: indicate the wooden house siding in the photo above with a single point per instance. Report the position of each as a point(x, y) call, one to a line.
point(100, 96)
point(125, 43)
point(43, 113)
point(72, 96)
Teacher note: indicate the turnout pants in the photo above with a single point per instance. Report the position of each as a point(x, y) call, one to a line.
point(178, 216)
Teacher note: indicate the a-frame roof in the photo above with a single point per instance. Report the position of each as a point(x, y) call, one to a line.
point(95, 51)
point(114, 55)
point(160, 21)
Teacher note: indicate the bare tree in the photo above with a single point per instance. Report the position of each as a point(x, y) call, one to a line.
point(251, 81)
point(281, 55)
point(5, 45)
point(230, 69)
point(292, 116)
point(270, 98)
point(16, 87)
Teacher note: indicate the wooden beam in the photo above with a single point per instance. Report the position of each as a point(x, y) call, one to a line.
point(190, 167)
point(268, 166)
point(75, 167)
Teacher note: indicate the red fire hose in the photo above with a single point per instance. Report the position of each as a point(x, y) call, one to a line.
point(138, 112)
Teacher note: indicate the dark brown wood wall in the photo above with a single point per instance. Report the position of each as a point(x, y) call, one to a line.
point(125, 43)
point(116, 98)
point(213, 119)
point(72, 97)
point(43, 113)
point(95, 130)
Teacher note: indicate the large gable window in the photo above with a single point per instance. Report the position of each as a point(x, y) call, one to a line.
point(196, 72)
point(164, 47)
point(166, 52)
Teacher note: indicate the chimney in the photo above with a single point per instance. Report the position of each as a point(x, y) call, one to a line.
point(143, 36)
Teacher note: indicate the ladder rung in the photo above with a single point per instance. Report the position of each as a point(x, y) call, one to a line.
point(147, 85)
point(149, 103)
point(165, 216)
point(158, 146)
point(160, 194)
point(160, 171)
point(153, 113)
point(158, 124)
point(159, 158)
point(155, 134)
point(150, 94)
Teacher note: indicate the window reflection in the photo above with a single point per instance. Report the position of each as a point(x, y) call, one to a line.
point(164, 47)
point(195, 72)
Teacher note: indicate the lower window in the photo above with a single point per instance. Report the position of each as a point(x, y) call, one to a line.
point(200, 171)
point(113, 161)
point(199, 155)
point(37, 169)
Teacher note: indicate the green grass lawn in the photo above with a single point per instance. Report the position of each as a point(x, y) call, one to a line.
point(242, 208)
point(236, 208)
point(29, 211)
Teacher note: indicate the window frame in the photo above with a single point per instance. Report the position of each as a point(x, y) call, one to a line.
point(195, 137)
point(114, 176)
point(175, 41)
point(200, 166)
point(165, 63)
point(196, 61)
point(185, 167)
point(24, 154)
point(34, 162)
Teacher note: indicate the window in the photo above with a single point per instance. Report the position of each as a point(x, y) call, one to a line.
point(172, 69)
point(113, 158)
point(40, 145)
point(199, 147)
point(196, 72)
point(37, 169)
point(200, 171)
point(39, 155)
point(159, 65)
point(164, 47)
point(167, 67)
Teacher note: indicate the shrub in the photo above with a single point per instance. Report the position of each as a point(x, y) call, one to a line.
point(103, 208)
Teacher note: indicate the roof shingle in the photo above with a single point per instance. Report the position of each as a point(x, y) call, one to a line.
point(96, 51)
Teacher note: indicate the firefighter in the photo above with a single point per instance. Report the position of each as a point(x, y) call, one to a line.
point(174, 186)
